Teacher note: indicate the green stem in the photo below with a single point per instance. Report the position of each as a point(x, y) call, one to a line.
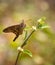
point(17, 58)
point(24, 43)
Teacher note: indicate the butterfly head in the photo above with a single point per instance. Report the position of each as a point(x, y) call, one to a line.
point(22, 24)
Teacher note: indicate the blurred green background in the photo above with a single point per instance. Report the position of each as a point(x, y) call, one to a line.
point(41, 43)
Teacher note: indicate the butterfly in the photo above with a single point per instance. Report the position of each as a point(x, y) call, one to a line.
point(16, 29)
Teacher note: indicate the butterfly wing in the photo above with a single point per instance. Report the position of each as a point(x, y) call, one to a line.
point(16, 29)
point(11, 29)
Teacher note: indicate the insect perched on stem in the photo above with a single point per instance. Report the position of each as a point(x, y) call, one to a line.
point(16, 29)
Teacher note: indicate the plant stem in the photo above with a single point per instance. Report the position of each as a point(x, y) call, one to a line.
point(24, 43)
point(17, 58)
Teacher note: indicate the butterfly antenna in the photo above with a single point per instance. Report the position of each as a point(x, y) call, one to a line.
point(15, 38)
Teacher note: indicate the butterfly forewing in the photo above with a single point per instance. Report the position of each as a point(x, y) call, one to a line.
point(14, 29)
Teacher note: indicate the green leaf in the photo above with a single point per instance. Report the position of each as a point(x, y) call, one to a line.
point(45, 26)
point(41, 20)
point(14, 44)
point(27, 52)
point(25, 34)
point(27, 28)
point(42, 24)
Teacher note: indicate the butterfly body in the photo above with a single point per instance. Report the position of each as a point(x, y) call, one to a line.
point(16, 29)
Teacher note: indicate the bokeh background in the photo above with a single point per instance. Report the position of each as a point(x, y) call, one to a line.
point(41, 44)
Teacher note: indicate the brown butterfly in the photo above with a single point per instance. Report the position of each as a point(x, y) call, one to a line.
point(16, 29)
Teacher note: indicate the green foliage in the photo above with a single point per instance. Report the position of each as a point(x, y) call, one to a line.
point(27, 52)
point(42, 24)
point(25, 34)
point(14, 45)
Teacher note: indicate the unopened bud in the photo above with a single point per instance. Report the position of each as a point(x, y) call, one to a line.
point(20, 49)
point(34, 27)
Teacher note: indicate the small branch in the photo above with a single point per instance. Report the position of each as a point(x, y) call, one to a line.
point(17, 58)
point(24, 43)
